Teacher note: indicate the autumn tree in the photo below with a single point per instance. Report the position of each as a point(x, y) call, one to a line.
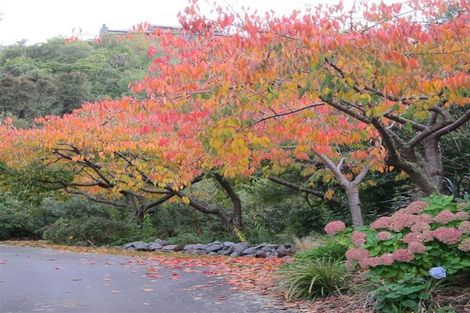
point(123, 153)
point(396, 70)
point(353, 89)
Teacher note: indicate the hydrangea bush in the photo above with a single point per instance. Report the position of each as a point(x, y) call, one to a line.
point(426, 238)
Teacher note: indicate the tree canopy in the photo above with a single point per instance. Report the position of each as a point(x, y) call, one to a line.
point(338, 91)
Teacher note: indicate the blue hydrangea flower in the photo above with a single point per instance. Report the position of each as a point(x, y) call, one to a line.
point(438, 272)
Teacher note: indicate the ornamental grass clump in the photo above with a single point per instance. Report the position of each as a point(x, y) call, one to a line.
point(309, 279)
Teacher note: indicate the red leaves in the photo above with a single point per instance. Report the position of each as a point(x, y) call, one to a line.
point(152, 50)
point(226, 20)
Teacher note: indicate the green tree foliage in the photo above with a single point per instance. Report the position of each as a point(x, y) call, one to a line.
point(56, 77)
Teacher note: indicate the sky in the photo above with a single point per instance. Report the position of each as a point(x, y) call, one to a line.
point(39, 20)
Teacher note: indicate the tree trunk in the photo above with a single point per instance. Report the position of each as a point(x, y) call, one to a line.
point(352, 192)
point(418, 175)
point(433, 156)
point(351, 187)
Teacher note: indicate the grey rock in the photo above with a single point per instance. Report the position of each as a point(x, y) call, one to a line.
point(238, 248)
point(268, 248)
point(154, 246)
point(130, 245)
point(212, 253)
point(197, 246)
point(228, 244)
point(282, 251)
point(213, 247)
point(261, 254)
point(141, 246)
point(226, 251)
point(172, 248)
point(248, 251)
point(161, 242)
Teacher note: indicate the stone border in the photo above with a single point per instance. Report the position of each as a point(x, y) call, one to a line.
point(227, 248)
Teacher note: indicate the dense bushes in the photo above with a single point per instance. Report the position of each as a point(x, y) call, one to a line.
point(73, 221)
point(92, 230)
point(20, 220)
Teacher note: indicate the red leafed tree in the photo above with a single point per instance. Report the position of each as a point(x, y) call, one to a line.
point(347, 87)
point(397, 69)
point(125, 153)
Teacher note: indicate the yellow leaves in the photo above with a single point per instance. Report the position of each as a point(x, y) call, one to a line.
point(308, 114)
point(185, 200)
point(377, 110)
point(260, 142)
point(421, 115)
point(77, 158)
point(216, 143)
point(454, 99)
point(329, 194)
point(309, 170)
point(238, 144)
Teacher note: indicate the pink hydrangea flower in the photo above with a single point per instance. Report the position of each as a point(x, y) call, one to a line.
point(387, 259)
point(358, 238)
point(419, 227)
point(426, 236)
point(464, 227)
point(416, 247)
point(444, 217)
point(403, 255)
point(381, 222)
point(357, 254)
point(415, 207)
point(448, 235)
point(334, 227)
point(411, 237)
point(400, 221)
point(384, 235)
point(370, 262)
point(465, 245)
point(424, 218)
point(461, 215)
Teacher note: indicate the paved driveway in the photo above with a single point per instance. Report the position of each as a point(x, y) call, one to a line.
point(43, 280)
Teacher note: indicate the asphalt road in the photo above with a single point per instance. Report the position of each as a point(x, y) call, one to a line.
point(43, 280)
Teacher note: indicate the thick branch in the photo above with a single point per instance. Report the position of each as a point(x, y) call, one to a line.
point(451, 127)
point(236, 202)
point(337, 105)
point(314, 192)
point(94, 199)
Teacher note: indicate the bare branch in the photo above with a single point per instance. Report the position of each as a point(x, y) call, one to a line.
point(278, 115)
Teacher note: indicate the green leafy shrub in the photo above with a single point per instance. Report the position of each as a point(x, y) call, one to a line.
point(94, 230)
point(413, 240)
point(23, 220)
point(424, 242)
point(309, 279)
point(83, 222)
point(405, 295)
